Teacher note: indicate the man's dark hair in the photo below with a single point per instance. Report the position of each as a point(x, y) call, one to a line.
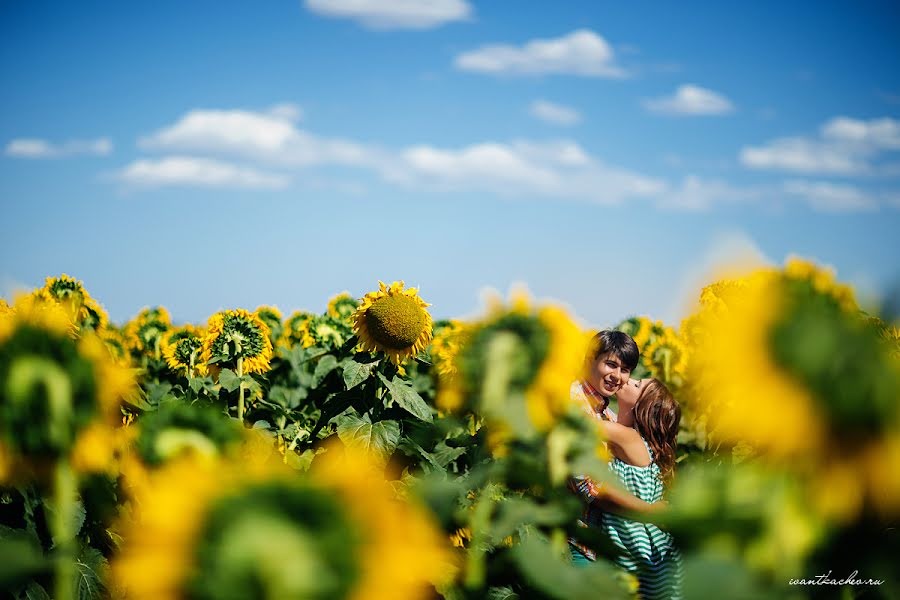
point(619, 343)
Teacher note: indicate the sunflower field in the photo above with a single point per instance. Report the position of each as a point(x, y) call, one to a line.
point(369, 452)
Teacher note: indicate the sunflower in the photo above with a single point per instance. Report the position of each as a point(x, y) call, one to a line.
point(271, 316)
point(516, 367)
point(788, 349)
point(394, 321)
point(665, 356)
point(181, 349)
point(259, 529)
point(342, 306)
point(296, 330)
point(55, 386)
point(144, 333)
point(237, 338)
point(71, 294)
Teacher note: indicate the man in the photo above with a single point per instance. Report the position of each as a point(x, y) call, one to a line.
point(610, 359)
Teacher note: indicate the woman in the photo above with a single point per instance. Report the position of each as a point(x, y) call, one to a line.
point(642, 444)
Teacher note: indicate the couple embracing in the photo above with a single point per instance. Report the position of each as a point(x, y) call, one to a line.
point(641, 442)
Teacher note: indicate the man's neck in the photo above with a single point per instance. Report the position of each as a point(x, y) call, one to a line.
point(598, 401)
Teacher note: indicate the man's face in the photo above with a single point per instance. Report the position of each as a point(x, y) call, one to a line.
point(608, 374)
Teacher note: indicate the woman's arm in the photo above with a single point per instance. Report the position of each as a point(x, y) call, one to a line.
point(620, 502)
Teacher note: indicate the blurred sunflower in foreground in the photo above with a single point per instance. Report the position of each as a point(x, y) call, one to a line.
point(783, 360)
point(515, 368)
point(60, 396)
point(221, 529)
point(393, 320)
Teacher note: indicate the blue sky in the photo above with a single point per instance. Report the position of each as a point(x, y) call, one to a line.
point(210, 155)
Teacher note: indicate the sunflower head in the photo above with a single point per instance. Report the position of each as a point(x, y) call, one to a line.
point(182, 347)
point(516, 368)
point(788, 342)
point(342, 306)
point(145, 332)
point(237, 334)
point(177, 430)
point(327, 332)
point(393, 320)
point(296, 330)
point(54, 385)
point(267, 532)
point(71, 294)
point(271, 316)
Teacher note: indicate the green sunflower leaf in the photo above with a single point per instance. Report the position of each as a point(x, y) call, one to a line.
point(229, 380)
point(90, 565)
point(408, 399)
point(379, 438)
point(356, 372)
point(326, 365)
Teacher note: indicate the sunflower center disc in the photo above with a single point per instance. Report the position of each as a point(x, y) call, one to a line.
point(396, 321)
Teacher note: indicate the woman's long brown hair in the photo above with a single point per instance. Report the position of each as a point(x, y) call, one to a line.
point(656, 417)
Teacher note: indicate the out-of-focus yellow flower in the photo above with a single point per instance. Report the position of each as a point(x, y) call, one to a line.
point(784, 361)
point(238, 334)
point(98, 448)
point(296, 330)
point(31, 310)
point(542, 354)
point(342, 306)
point(750, 397)
point(55, 390)
point(823, 281)
point(144, 333)
point(393, 320)
point(299, 535)
point(271, 316)
point(70, 293)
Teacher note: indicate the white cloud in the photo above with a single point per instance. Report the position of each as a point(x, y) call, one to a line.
point(266, 136)
point(801, 155)
point(581, 52)
point(845, 146)
point(877, 133)
point(696, 194)
point(554, 113)
point(394, 14)
point(286, 111)
point(38, 148)
point(557, 169)
point(690, 100)
point(830, 197)
point(560, 169)
point(191, 171)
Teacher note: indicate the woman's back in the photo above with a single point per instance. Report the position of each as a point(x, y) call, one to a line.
point(648, 551)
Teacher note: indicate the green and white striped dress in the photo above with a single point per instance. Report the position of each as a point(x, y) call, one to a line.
point(648, 552)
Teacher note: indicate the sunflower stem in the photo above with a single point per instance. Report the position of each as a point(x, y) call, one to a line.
point(240, 374)
point(65, 490)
